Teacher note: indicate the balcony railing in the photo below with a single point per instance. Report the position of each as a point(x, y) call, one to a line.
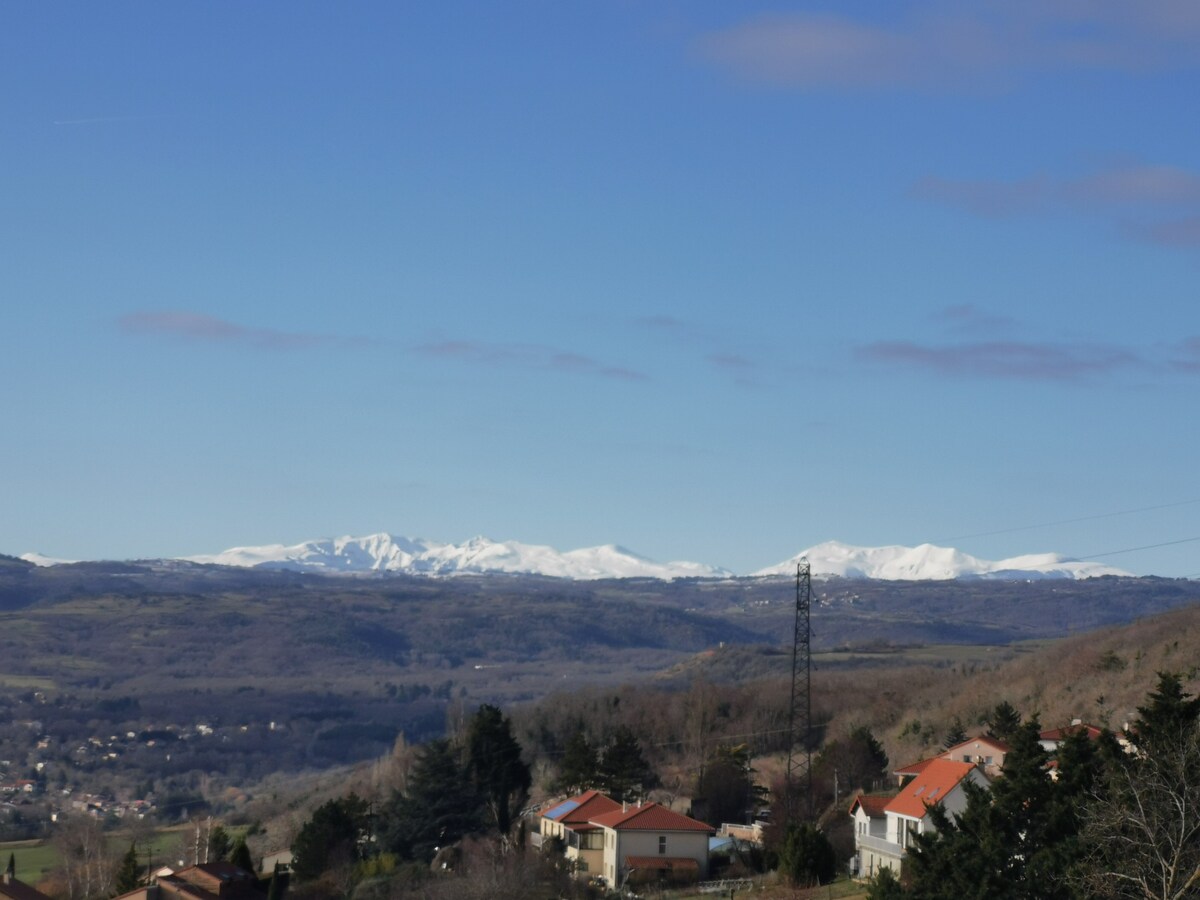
point(879, 845)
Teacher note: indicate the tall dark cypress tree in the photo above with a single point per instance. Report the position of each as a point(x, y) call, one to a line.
point(494, 762)
point(1004, 721)
point(1169, 714)
point(579, 769)
point(624, 772)
point(240, 856)
point(128, 876)
point(275, 888)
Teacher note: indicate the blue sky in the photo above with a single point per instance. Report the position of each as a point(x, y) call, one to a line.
point(714, 281)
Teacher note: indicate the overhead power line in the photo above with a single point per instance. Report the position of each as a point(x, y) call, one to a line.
point(1135, 549)
point(1107, 515)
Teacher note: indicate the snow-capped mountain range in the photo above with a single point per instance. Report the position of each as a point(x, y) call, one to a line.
point(480, 555)
point(930, 563)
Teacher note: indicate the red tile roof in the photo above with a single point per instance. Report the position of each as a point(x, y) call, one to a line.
point(872, 804)
point(650, 817)
point(1061, 734)
point(914, 768)
point(931, 786)
point(590, 805)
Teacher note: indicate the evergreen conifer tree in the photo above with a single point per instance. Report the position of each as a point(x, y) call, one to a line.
point(275, 888)
point(956, 735)
point(579, 769)
point(129, 873)
point(624, 772)
point(219, 844)
point(240, 856)
point(1169, 714)
point(1004, 721)
point(807, 858)
point(439, 807)
point(494, 763)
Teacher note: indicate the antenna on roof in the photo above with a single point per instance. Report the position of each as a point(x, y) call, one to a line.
point(799, 765)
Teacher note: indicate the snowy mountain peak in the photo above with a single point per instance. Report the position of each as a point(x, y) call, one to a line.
point(928, 562)
point(479, 555)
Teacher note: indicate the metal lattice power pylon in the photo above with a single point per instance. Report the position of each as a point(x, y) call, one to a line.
point(799, 766)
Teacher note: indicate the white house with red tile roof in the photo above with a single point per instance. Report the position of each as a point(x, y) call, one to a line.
point(1051, 738)
point(649, 842)
point(938, 781)
point(985, 751)
point(569, 821)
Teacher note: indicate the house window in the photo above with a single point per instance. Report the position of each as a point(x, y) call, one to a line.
point(987, 760)
point(662, 843)
point(966, 757)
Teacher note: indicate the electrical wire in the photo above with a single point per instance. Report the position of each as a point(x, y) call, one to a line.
point(1135, 549)
point(1108, 515)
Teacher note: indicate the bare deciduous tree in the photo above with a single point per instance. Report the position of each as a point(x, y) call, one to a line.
point(85, 862)
point(1143, 824)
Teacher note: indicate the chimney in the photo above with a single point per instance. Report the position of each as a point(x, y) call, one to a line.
point(624, 806)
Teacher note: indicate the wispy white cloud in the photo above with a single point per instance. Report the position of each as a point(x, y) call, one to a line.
point(200, 327)
point(948, 45)
point(530, 356)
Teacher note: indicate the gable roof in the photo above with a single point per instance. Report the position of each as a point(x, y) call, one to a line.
point(1061, 734)
point(13, 889)
point(914, 768)
point(582, 809)
point(935, 781)
point(650, 817)
point(992, 742)
point(872, 804)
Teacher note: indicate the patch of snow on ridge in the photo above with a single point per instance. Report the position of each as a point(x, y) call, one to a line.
point(479, 555)
point(39, 560)
point(928, 562)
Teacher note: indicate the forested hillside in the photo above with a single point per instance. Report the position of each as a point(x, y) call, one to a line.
point(177, 679)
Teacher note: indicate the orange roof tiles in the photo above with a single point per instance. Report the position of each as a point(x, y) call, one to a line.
point(914, 768)
point(935, 781)
point(650, 817)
